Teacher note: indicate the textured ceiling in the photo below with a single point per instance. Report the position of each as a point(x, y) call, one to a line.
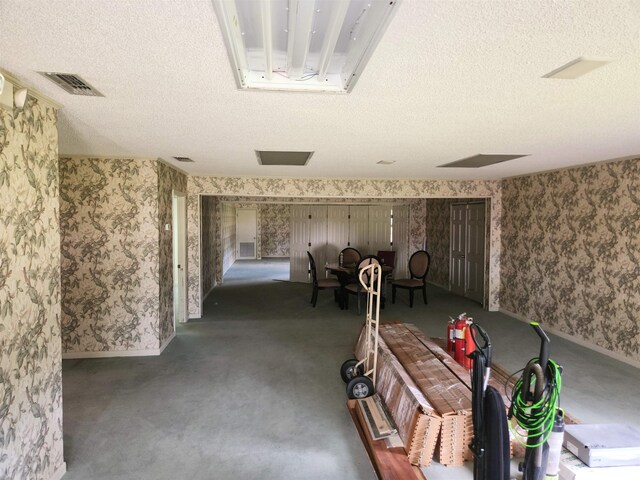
point(449, 79)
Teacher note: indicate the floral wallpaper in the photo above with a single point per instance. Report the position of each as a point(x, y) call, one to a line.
point(30, 360)
point(275, 218)
point(110, 254)
point(438, 239)
point(169, 179)
point(209, 243)
point(571, 252)
point(265, 189)
point(417, 225)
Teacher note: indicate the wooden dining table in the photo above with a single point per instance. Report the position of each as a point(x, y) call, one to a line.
point(347, 274)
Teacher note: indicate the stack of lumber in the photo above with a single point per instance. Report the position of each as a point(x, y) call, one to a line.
point(443, 389)
point(417, 421)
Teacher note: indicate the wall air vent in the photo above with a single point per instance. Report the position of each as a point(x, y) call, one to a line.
point(481, 160)
point(72, 84)
point(286, 159)
point(184, 159)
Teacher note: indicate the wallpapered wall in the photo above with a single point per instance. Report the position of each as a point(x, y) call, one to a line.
point(571, 252)
point(438, 239)
point(275, 220)
point(30, 360)
point(110, 254)
point(209, 238)
point(117, 282)
point(169, 179)
point(339, 191)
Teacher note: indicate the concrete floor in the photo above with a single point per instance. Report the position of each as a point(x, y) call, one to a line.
point(252, 390)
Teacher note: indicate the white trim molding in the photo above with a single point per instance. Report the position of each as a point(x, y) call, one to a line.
point(112, 353)
point(576, 340)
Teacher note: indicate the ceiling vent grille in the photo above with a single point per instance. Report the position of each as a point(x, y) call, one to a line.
point(481, 160)
point(72, 84)
point(184, 159)
point(286, 159)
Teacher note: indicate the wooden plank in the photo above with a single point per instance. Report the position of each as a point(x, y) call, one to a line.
point(388, 463)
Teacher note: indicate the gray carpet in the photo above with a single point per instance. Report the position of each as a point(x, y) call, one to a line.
point(252, 389)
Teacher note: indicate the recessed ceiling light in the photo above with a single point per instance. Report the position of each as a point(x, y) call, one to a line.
point(386, 162)
point(287, 159)
point(576, 68)
point(481, 160)
point(321, 45)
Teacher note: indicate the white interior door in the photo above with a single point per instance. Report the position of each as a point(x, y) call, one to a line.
point(458, 248)
point(337, 231)
point(299, 244)
point(475, 252)
point(359, 228)
point(246, 231)
point(179, 241)
point(379, 228)
point(400, 239)
point(318, 235)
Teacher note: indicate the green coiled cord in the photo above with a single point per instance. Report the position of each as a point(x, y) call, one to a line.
point(536, 417)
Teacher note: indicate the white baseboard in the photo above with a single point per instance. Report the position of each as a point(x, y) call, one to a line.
point(60, 471)
point(112, 353)
point(167, 341)
point(576, 340)
point(194, 316)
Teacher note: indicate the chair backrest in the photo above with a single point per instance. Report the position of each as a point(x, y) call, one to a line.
point(312, 267)
point(419, 264)
point(387, 257)
point(365, 262)
point(350, 256)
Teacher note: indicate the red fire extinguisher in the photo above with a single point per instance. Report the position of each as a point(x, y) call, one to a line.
point(460, 326)
point(470, 345)
point(451, 336)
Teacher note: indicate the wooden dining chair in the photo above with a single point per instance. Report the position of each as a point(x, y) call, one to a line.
point(323, 283)
point(350, 256)
point(355, 287)
point(418, 267)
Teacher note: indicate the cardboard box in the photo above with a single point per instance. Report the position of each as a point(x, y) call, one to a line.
point(606, 445)
point(572, 468)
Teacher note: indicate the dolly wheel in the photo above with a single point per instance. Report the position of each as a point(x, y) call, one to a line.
point(360, 387)
point(348, 370)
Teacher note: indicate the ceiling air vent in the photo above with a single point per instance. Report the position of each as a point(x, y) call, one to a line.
point(287, 159)
point(72, 84)
point(184, 159)
point(481, 160)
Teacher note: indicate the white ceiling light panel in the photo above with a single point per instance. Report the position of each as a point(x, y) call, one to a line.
point(302, 45)
point(576, 68)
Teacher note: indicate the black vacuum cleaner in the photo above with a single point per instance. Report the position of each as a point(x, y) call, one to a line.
point(490, 443)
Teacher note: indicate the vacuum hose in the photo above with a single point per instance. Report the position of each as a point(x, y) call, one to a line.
point(535, 411)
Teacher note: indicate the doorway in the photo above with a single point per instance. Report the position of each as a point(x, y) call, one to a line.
point(468, 231)
point(179, 231)
point(246, 232)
